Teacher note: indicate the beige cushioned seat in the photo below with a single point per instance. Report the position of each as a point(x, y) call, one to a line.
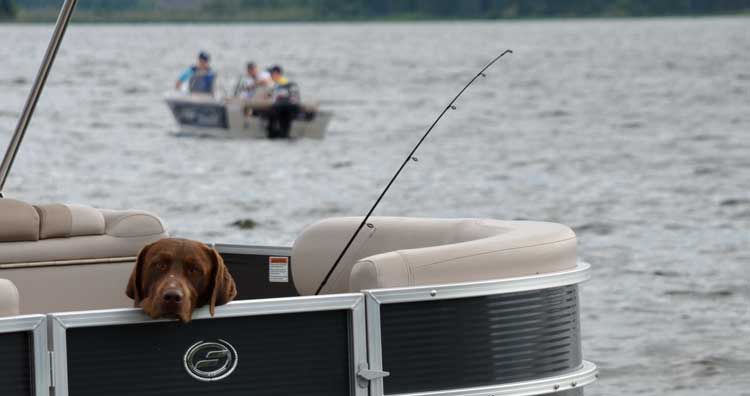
point(8, 298)
point(71, 257)
point(57, 232)
point(398, 251)
point(19, 221)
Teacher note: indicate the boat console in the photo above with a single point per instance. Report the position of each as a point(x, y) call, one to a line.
point(416, 307)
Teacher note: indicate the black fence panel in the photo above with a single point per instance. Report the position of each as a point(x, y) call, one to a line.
point(298, 353)
point(251, 274)
point(480, 341)
point(16, 365)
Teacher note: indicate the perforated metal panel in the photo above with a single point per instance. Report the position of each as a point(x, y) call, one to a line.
point(16, 366)
point(300, 353)
point(480, 341)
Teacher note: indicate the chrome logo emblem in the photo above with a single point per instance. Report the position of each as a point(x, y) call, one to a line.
point(210, 361)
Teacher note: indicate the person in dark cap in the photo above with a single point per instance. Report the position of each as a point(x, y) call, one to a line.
point(277, 75)
point(199, 77)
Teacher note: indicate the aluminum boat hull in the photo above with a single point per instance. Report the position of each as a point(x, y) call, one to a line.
point(206, 115)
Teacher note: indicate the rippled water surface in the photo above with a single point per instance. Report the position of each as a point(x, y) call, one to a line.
point(634, 132)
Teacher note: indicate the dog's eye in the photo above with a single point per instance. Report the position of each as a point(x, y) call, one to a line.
point(162, 266)
point(192, 270)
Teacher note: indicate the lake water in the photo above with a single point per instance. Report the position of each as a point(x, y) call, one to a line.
point(634, 132)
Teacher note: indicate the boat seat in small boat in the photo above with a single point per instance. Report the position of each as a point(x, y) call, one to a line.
point(399, 251)
point(8, 298)
point(57, 232)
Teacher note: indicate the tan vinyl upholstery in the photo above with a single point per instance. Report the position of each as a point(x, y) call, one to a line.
point(86, 221)
point(19, 221)
point(399, 251)
point(74, 232)
point(55, 221)
point(82, 260)
point(60, 288)
point(8, 298)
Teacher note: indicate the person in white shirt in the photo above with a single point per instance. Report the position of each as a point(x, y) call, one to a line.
point(254, 80)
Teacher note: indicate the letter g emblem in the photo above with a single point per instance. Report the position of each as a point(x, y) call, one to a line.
point(210, 361)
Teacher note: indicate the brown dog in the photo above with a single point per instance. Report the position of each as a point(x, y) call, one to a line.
point(174, 276)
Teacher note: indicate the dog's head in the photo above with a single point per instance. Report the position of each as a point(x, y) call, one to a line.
point(174, 276)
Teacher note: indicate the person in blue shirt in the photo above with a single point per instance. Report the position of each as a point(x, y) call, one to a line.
point(199, 77)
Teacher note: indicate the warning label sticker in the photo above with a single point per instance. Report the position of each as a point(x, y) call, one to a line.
point(278, 269)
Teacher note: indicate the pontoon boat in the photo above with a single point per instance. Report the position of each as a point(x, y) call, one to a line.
point(420, 307)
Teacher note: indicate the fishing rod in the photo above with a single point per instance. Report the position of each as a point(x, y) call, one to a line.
point(451, 106)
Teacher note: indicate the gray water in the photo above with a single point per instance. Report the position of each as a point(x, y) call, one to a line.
point(633, 132)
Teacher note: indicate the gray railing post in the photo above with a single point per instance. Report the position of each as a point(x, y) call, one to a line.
point(36, 90)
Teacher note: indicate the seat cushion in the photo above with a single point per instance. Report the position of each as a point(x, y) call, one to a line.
point(55, 221)
point(8, 298)
point(401, 251)
point(527, 248)
point(73, 232)
point(62, 221)
point(86, 221)
point(131, 223)
point(19, 221)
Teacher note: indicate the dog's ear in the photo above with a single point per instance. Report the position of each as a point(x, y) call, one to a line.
point(135, 284)
point(222, 289)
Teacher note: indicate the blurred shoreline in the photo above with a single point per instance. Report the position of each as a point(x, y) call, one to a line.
point(195, 16)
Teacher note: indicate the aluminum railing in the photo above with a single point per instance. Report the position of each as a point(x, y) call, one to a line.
point(517, 336)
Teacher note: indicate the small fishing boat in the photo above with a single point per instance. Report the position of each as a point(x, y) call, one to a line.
point(410, 306)
point(237, 117)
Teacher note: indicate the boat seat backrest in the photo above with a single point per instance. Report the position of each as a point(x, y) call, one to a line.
point(71, 257)
point(21, 222)
point(57, 232)
point(399, 251)
point(8, 298)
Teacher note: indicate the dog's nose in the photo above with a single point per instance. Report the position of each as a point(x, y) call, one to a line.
point(172, 296)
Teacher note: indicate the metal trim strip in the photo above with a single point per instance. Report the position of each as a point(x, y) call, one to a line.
point(59, 363)
point(585, 375)
point(11, 324)
point(576, 275)
point(37, 325)
point(104, 260)
point(358, 333)
point(254, 249)
point(236, 308)
point(374, 343)
point(41, 358)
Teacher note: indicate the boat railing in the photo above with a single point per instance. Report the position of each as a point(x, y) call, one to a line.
point(518, 336)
